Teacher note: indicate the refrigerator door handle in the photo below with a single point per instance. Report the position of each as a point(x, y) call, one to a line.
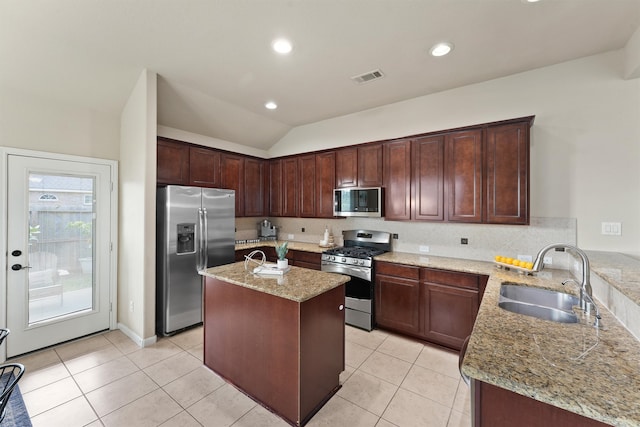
point(205, 239)
point(200, 257)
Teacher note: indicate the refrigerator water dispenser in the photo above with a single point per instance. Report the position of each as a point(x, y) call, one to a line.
point(186, 239)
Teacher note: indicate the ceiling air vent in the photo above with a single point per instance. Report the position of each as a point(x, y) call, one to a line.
point(367, 77)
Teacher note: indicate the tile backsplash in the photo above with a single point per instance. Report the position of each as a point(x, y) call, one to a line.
point(442, 239)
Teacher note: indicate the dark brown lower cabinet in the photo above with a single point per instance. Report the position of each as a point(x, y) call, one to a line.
point(397, 297)
point(311, 260)
point(438, 306)
point(285, 354)
point(494, 406)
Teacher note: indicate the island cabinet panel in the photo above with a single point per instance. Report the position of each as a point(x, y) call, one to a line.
point(428, 178)
point(232, 178)
point(463, 169)
point(507, 169)
point(494, 406)
point(370, 173)
point(397, 297)
point(325, 183)
point(254, 187)
point(204, 167)
point(347, 167)
point(397, 180)
point(172, 163)
point(307, 178)
point(285, 354)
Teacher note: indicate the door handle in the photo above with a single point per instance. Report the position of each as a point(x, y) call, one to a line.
point(18, 267)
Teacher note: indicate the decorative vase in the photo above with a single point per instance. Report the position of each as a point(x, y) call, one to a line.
point(283, 263)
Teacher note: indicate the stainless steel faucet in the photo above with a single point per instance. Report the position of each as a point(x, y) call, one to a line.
point(585, 286)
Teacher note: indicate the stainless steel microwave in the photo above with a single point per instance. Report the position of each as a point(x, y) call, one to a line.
point(367, 202)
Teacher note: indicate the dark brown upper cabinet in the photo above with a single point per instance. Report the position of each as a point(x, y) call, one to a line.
point(254, 187)
point(172, 163)
point(204, 167)
point(307, 171)
point(507, 174)
point(359, 166)
point(414, 175)
point(232, 178)
point(463, 174)
point(325, 183)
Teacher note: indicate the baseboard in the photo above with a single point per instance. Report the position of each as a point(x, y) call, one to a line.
point(142, 342)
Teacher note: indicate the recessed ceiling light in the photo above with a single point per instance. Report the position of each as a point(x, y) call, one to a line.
point(271, 105)
point(441, 49)
point(282, 46)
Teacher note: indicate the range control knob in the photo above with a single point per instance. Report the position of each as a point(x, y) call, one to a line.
point(344, 260)
point(361, 262)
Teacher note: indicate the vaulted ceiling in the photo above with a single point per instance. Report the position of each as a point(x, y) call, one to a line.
point(216, 67)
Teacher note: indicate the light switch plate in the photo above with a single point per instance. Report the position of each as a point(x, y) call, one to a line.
point(612, 228)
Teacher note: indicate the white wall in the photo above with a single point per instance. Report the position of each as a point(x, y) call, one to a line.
point(32, 122)
point(137, 212)
point(585, 140)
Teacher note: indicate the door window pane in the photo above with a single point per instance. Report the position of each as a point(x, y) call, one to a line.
point(61, 245)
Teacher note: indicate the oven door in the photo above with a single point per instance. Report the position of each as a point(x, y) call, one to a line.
point(358, 294)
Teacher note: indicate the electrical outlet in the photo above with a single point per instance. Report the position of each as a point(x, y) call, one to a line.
point(525, 258)
point(464, 241)
point(423, 249)
point(395, 236)
point(548, 260)
point(290, 236)
point(131, 306)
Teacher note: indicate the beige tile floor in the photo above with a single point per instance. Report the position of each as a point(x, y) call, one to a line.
point(107, 380)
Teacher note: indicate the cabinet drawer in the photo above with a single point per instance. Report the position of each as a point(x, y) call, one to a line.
point(399, 270)
point(307, 256)
point(450, 278)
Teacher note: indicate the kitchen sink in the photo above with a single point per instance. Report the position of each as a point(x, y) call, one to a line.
point(544, 313)
point(540, 303)
point(538, 296)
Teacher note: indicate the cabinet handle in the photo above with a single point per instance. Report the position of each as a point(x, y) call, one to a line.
point(341, 307)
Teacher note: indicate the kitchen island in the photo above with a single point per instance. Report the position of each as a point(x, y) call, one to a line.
point(280, 340)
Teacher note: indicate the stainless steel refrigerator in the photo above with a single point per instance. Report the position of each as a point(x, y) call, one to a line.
point(195, 230)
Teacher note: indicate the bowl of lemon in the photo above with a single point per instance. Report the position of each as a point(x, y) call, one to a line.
point(508, 263)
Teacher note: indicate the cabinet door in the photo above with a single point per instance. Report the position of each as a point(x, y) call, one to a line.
point(449, 313)
point(325, 184)
point(398, 303)
point(397, 180)
point(275, 188)
point(463, 171)
point(507, 166)
point(232, 178)
point(428, 178)
point(370, 165)
point(254, 187)
point(290, 187)
point(172, 163)
point(307, 171)
point(204, 167)
point(347, 167)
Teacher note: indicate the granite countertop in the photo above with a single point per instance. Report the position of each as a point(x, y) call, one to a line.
point(298, 284)
point(588, 371)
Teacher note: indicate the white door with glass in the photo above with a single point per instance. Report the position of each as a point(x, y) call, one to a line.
point(58, 250)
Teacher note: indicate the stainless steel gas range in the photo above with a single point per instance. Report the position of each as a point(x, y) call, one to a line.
point(355, 259)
